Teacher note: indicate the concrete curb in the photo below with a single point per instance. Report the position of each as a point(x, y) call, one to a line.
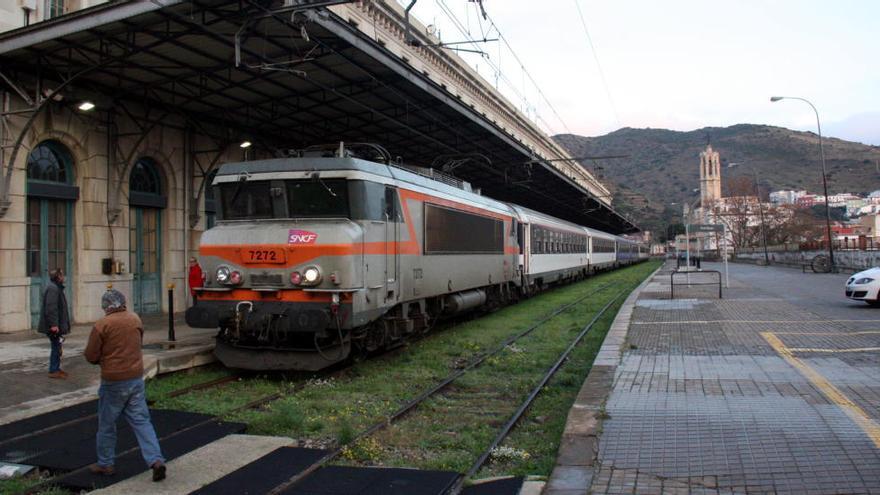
point(178, 359)
point(579, 446)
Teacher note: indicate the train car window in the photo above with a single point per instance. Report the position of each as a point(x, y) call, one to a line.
point(246, 200)
point(390, 204)
point(449, 231)
point(366, 200)
point(520, 237)
point(317, 198)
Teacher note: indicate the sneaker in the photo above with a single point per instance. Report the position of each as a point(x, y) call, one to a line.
point(102, 470)
point(63, 373)
point(158, 471)
point(58, 374)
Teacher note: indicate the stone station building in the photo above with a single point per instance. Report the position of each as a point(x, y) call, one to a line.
point(114, 191)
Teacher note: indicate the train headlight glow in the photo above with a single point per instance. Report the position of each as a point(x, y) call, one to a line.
point(312, 275)
point(223, 274)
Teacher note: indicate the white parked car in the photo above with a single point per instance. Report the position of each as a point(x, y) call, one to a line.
point(865, 286)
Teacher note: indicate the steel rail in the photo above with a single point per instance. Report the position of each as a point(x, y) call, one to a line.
point(201, 386)
point(457, 487)
point(412, 404)
point(176, 393)
point(216, 418)
point(299, 386)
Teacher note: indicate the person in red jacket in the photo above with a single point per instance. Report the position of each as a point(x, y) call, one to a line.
point(196, 278)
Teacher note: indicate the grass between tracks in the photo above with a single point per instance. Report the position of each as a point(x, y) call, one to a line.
point(451, 430)
point(22, 484)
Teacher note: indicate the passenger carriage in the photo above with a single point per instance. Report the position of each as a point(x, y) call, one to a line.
point(603, 250)
point(553, 250)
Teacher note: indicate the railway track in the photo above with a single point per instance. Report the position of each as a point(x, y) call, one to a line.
point(335, 373)
point(452, 377)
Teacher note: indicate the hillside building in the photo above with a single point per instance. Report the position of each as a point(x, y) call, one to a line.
point(870, 226)
point(786, 197)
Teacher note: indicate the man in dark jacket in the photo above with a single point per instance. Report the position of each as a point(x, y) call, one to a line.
point(55, 320)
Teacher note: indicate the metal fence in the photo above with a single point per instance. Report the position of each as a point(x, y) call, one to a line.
point(857, 244)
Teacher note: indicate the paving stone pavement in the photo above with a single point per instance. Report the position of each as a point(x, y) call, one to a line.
point(773, 389)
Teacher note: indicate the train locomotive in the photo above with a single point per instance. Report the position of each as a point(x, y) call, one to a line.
point(330, 254)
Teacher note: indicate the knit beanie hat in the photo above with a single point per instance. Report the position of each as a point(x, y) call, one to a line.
point(112, 299)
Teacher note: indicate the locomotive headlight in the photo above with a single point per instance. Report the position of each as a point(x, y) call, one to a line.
point(223, 274)
point(296, 278)
point(312, 275)
point(235, 278)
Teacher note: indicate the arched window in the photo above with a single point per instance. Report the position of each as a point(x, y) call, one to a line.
point(50, 162)
point(145, 178)
point(145, 186)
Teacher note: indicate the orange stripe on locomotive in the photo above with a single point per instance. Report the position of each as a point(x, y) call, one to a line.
point(300, 254)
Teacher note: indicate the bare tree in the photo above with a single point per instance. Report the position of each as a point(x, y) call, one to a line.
point(799, 225)
point(738, 211)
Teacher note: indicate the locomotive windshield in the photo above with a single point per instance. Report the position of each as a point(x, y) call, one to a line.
point(245, 200)
point(317, 198)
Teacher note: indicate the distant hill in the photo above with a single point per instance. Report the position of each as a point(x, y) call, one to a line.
point(663, 165)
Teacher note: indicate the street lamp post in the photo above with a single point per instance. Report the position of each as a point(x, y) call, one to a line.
point(761, 211)
point(824, 180)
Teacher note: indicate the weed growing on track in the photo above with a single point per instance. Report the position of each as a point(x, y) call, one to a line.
point(447, 432)
point(26, 483)
point(161, 386)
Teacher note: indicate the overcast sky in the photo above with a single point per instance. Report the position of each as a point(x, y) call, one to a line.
point(681, 64)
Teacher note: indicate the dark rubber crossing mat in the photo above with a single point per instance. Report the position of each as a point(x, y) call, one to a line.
point(265, 473)
point(344, 480)
point(132, 463)
point(45, 420)
point(506, 486)
point(73, 446)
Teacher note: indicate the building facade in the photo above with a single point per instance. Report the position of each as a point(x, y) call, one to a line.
point(118, 195)
point(126, 225)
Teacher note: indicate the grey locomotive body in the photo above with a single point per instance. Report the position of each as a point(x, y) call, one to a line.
point(314, 258)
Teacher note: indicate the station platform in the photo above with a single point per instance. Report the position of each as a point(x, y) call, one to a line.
point(773, 388)
point(24, 365)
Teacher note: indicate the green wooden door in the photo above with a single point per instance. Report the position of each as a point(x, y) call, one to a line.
point(145, 245)
point(48, 246)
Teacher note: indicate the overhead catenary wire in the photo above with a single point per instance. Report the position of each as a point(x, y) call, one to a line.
point(466, 32)
point(598, 64)
point(528, 74)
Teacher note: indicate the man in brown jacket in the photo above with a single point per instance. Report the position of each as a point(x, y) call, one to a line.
point(115, 344)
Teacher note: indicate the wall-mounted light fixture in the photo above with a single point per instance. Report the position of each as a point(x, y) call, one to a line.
point(245, 144)
point(86, 106)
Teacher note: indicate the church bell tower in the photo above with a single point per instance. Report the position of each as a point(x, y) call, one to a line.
point(710, 177)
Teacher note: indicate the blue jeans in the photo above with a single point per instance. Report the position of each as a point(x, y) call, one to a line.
point(55, 355)
point(127, 398)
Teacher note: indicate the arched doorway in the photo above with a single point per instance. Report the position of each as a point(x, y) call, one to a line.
point(146, 199)
point(49, 218)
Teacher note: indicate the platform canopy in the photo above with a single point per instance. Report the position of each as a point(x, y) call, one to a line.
point(284, 77)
